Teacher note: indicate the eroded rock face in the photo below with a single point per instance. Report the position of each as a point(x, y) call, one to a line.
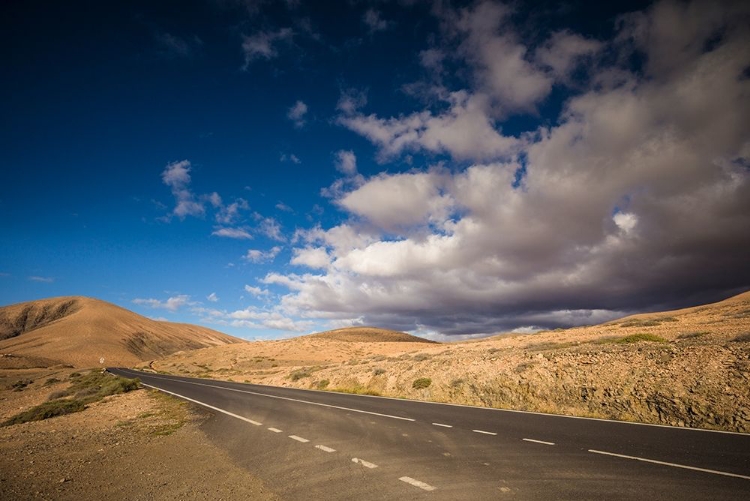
point(14, 322)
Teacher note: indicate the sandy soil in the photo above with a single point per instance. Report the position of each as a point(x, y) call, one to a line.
point(695, 372)
point(138, 446)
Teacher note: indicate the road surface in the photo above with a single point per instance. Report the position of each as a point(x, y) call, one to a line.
point(309, 445)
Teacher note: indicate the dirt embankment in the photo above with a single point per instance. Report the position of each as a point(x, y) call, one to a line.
point(684, 368)
point(138, 445)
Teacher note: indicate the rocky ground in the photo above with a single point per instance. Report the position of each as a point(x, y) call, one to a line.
point(684, 368)
point(131, 446)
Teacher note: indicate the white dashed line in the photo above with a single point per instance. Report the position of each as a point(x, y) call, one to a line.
point(443, 425)
point(538, 441)
point(275, 430)
point(485, 432)
point(364, 463)
point(675, 465)
point(294, 400)
point(298, 439)
point(324, 448)
point(417, 483)
point(256, 423)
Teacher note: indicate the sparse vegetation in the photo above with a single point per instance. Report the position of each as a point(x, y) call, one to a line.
point(421, 357)
point(300, 373)
point(640, 323)
point(421, 383)
point(548, 346)
point(637, 338)
point(47, 410)
point(84, 389)
point(323, 384)
point(692, 335)
point(51, 381)
point(378, 371)
point(21, 384)
point(742, 338)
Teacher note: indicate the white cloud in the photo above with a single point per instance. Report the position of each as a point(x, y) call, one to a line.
point(256, 291)
point(637, 196)
point(46, 280)
point(346, 162)
point(238, 233)
point(297, 114)
point(177, 176)
point(172, 304)
point(271, 228)
point(263, 45)
point(213, 297)
point(312, 257)
point(290, 158)
point(283, 207)
point(258, 256)
point(374, 21)
point(351, 100)
point(228, 214)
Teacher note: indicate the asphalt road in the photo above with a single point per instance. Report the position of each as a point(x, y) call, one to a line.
point(309, 445)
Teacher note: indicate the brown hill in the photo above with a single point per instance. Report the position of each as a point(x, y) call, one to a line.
point(368, 335)
point(80, 331)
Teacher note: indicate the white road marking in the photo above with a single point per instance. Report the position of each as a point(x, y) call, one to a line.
point(443, 425)
point(295, 400)
point(298, 439)
point(490, 409)
point(364, 463)
point(485, 432)
point(256, 423)
point(275, 430)
point(417, 483)
point(324, 448)
point(675, 465)
point(538, 441)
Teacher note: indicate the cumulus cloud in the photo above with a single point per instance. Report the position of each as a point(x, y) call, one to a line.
point(636, 196)
point(263, 45)
point(374, 21)
point(173, 303)
point(238, 233)
point(259, 256)
point(297, 114)
point(256, 291)
point(177, 176)
point(346, 162)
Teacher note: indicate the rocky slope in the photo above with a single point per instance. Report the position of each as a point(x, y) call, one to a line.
point(683, 368)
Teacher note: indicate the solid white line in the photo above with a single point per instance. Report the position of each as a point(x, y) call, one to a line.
point(295, 400)
point(485, 432)
point(538, 441)
point(482, 408)
point(275, 430)
point(256, 423)
point(675, 465)
point(324, 448)
point(443, 425)
point(364, 463)
point(298, 439)
point(417, 483)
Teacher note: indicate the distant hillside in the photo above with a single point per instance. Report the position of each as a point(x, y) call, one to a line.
point(368, 335)
point(80, 331)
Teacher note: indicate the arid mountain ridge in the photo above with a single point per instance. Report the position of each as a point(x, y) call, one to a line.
point(80, 331)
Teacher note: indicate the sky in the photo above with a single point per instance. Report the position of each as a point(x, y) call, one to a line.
point(449, 169)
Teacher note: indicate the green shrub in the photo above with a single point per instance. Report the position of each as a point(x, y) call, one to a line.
point(423, 382)
point(299, 374)
point(637, 338)
point(323, 384)
point(421, 357)
point(378, 371)
point(46, 411)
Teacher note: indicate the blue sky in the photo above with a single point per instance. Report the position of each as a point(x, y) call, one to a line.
point(446, 168)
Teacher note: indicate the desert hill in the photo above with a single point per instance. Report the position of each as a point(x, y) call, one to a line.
point(368, 335)
point(79, 331)
point(688, 367)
